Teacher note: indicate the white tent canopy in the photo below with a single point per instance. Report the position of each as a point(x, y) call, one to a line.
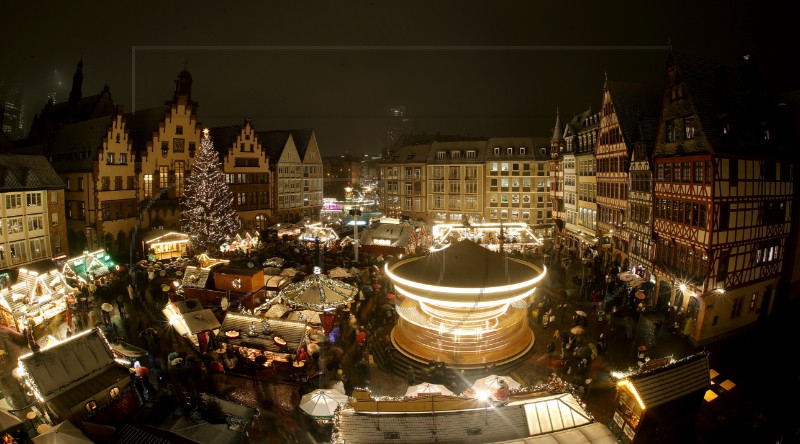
point(63, 433)
point(322, 402)
point(426, 388)
point(492, 382)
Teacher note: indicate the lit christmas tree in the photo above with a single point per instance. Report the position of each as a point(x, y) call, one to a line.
point(207, 213)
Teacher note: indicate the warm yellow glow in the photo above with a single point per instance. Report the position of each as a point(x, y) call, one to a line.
point(632, 389)
point(463, 290)
point(682, 287)
point(465, 304)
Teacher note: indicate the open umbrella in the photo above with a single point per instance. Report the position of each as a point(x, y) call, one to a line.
point(322, 403)
point(627, 276)
point(177, 362)
point(492, 382)
point(581, 313)
point(426, 388)
point(172, 356)
point(639, 295)
point(577, 330)
point(142, 372)
point(107, 307)
point(63, 433)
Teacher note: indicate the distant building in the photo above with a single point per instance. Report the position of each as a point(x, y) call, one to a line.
point(340, 172)
point(12, 111)
point(399, 125)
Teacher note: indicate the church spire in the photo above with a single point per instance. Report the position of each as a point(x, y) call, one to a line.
point(183, 84)
point(557, 134)
point(75, 93)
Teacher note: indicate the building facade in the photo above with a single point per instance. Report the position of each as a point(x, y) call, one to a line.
point(455, 182)
point(404, 176)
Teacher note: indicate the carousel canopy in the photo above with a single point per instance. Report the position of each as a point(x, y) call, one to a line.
point(318, 292)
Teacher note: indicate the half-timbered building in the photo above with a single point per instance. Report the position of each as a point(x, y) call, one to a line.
point(580, 185)
point(556, 173)
point(723, 193)
point(623, 104)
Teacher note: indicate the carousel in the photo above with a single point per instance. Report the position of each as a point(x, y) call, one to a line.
point(464, 305)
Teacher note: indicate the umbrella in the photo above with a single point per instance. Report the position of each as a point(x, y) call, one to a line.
point(627, 276)
point(172, 356)
point(176, 362)
point(426, 388)
point(322, 402)
point(577, 330)
point(8, 421)
point(107, 307)
point(636, 282)
point(390, 296)
point(312, 348)
point(581, 313)
point(216, 366)
point(639, 295)
point(63, 433)
point(492, 382)
point(142, 371)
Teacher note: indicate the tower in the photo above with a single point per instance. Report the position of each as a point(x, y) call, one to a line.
point(75, 93)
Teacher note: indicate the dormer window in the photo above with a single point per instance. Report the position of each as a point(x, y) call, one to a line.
point(689, 127)
point(455, 154)
point(440, 155)
point(726, 128)
point(523, 150)
point(471, 154)
point(766, 134)
point(497, 151)
point(510, 151)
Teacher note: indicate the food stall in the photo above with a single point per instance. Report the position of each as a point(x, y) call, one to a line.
point(190, 320)
point(90, 268)
point(244, 243)
point(165, 244)
point(35, 298)
point(252, 336)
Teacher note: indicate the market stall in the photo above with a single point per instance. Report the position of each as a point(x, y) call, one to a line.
point(244, 243)
point(35, 298)
point(253, 336)
point(90, 268)
point(190, 320)
point(165, 244)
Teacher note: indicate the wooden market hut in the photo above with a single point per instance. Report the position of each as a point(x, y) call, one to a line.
point(258, 334)
point(34, 296)
point(393, 237)
point(165, 244)
point(78, 379)
point(193, 322)
point(90, 268)
point(660, 401)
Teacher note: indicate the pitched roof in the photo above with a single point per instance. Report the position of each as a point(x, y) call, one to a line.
point(301, 138)
point(462, 146)
point(410, 154)
point(400, 234)
point(75, 146)
point(27, 172)
point(59, 368)
point(274, 142)
point(142, 124)
point(223, 137)
point(677, 379)
point(292, 332)
point(633, 101)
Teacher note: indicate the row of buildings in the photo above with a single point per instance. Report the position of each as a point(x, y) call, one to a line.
point(689, 185)
point(117, 173)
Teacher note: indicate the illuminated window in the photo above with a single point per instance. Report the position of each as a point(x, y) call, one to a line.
point(163, 176)
point(148, 185)
point(91, 406)
point(180, 168)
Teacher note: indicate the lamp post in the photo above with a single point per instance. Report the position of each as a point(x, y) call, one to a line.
point(608, 283)
point(355, 212)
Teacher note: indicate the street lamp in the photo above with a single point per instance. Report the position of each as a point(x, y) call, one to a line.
point(355, 212)
point(608, 283)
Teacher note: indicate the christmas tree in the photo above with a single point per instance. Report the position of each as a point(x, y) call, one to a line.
point(207, 213)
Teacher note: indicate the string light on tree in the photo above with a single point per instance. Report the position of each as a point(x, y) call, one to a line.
point(207, 212)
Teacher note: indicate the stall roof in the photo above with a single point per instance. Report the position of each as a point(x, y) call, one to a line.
point(127, 350)
point(200, 320)
point(187, 430)
point(31, 286)
point(275, 282)
point(292, 332)
point(164, 236)
point(195, 277)
point(398, 235)
point(674, 380)
point(97, 264)
point(59, 368)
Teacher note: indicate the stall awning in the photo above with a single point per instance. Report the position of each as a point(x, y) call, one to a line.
point(275, 283)
point(201, 320)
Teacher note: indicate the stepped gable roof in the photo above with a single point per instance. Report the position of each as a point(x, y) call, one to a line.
point(302, 137)
point(716, 94)
point(274, 142)
point(410, 154)
point(223, 137)
point(27, 172)
point(143, 124)
point(633, 101)
point(75, 146)
point(465, 264)
point(663, 384)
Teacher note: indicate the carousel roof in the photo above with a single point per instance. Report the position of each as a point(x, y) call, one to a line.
point(318, 292)
point(465, 264)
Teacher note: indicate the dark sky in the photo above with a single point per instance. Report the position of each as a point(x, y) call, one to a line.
point(479, 68)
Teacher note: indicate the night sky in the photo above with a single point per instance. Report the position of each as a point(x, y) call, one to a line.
point(470, 67)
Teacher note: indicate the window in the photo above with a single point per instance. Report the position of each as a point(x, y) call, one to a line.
point(733, 172)
point(105, 183)
point(68, 183)
point(670, 130)
point(91, 406)
point(18, 252)
point(497, 151)
point(123, 159)
point(440, 155)
point(35, 222)
point(163, 176)
point(510, 151)
point(80, 184)
point(736, 309)
point(38, 248)
point(685, 172)
point(523, 150)
point(180, 169)
point(114, 393)
point(178, 129)
point(455, 154)
point(148, 185)
point(54, 219)
point(34, 199)
point(13, 201)
point(117, 182)
point(689, 127)
point(493, 166)
point(471, 154)
point(110, 159)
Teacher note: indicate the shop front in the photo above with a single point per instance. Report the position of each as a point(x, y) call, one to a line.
point(35, 300)
point(165, 244)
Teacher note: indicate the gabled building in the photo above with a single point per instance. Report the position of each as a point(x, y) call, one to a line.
point(286, 166)
point(308, 149)
point(32, 218)
point(723, 195)
point(623, 107)
point(556, 174)
point(247, 172)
